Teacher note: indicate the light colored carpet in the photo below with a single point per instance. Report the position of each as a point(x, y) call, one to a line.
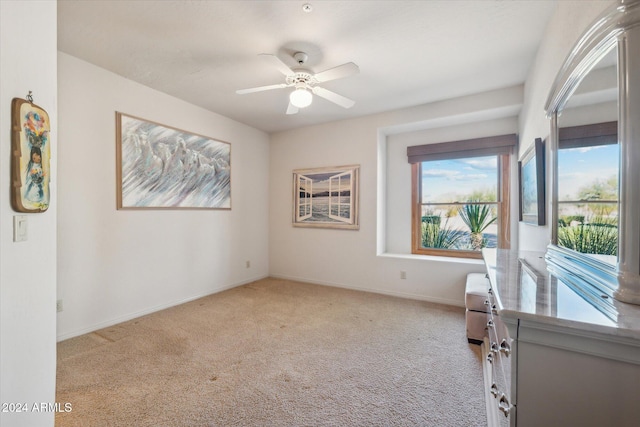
point(277, 353)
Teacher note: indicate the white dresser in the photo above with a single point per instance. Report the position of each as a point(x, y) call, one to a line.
point(551, 357)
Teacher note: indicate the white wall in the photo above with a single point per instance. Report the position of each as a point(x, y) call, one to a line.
point(371, 258)
point(114, 265)
point(27, 269)
point(569, 21)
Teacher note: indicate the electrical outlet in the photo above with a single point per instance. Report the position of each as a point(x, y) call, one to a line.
point(403, 274)
point(59, 307)
point(248, 264)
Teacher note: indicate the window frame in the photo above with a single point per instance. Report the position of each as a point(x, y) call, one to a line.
point(305, 203)
point(500, 146)
point(338, 198)
point(580, 136)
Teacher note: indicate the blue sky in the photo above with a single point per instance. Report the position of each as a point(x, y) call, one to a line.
point(581, 167)
point(449, 180)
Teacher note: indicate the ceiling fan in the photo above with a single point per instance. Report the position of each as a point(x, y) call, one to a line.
point(305, 82)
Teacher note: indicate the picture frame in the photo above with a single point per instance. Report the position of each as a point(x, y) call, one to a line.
point(30, 157)
point(531, 174)
point(327, 197)
point(162, 167)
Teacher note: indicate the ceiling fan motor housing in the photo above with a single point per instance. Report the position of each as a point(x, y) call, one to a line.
point(305, 82)
point(301, 77)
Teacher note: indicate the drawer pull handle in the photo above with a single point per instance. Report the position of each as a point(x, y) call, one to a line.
point(490, 291)
point(494, 309)
point(494, 390)
point(486, 302)
point(505, 347)
point(503, 405)
point(490, 324)
point(490, 357)
point(494, 347)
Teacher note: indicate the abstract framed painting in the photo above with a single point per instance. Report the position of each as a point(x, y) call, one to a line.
point(161, 167)
point(531, 170)
point(326, 197)
point(30, 157)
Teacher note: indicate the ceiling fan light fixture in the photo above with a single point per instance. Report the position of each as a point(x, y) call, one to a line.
point(301, 97)
point(304, 82)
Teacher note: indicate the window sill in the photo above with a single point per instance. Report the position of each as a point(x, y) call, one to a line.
point(446, 259)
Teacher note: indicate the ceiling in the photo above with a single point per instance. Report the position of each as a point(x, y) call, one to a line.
point(409, 52)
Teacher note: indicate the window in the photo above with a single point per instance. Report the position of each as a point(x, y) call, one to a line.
point(340, 196)
point(326, 197)
point(588, 169)
point(305, 186)
point(460, 196)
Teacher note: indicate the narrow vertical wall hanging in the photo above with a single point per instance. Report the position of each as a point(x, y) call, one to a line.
point(30, 156)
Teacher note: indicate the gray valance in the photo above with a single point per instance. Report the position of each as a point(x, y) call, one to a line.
point(478, 147)
point(588, 135)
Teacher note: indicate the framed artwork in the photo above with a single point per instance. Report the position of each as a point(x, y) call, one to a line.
point(326, 197)
point(30, 157)
point(531, 172)
point(160, 167)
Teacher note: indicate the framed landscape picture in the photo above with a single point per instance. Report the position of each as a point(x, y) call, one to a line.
point(326, 197)
point(161, 167)
point(532, 192)
point(30, 157)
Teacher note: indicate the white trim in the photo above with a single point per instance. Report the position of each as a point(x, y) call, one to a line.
point(592, 46)
point(591, 343)
point(453, 260)
point(130, 316)
point(340, 204)
point(306, 202)
point(443, 301)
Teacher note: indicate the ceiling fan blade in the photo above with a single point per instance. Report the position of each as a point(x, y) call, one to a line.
point(292, 109)
point(277, 62)
point(333, 97)
point(339, 72)
point(261, 88)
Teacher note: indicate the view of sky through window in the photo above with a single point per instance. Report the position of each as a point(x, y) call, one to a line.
point(455, 180)
point(581, 168)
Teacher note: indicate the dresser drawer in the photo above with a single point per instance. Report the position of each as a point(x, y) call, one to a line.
point(501, 372)
point(499, 362)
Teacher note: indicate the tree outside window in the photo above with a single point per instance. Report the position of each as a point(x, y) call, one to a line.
point(588, 199)
point(460, 200)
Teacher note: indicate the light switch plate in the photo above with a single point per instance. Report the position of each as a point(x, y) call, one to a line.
point(19, 228)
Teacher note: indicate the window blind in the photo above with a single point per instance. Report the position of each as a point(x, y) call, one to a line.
point(588, 135)
point(478, 147)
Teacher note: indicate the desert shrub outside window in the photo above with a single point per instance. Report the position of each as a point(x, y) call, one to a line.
point(460, 196)
point(588, 170)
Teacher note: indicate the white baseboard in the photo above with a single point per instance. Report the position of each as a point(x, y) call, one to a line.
point(418, 297)
point(130, 316)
